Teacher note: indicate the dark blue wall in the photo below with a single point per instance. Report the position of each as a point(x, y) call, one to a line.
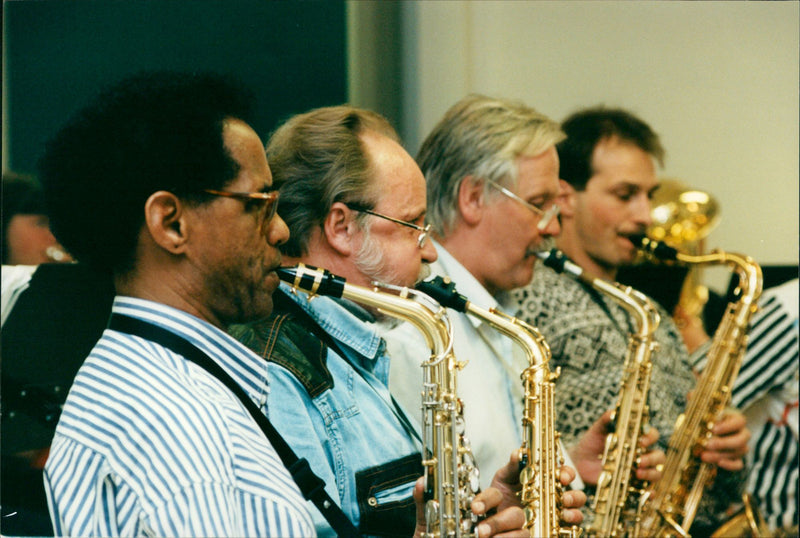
point(61, 52)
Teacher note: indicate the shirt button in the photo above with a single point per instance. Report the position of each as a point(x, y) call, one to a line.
point(372, 501)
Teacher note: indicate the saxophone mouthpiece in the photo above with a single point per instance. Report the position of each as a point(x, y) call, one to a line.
point(443, 291)
point(314, 280)
point(560, 263)
point(660, 250)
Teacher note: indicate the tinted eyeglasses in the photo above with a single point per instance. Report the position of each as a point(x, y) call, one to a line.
point(268, 202)
point(424, 230)
point(545, 215)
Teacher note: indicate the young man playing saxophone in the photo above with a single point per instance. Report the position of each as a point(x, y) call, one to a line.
point(354, 201)
point(608, 174)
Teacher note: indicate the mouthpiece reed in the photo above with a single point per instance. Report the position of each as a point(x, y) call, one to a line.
point(660, 250)
point(312, 280)
point(444, 292)
point(559, 262)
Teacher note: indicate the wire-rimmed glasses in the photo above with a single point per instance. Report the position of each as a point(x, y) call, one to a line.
point(545, 215)
point(424, 231)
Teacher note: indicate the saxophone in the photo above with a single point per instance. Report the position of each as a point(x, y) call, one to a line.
point(451, 476)
point(619, 495)
point(675, 498)
point(540, 454)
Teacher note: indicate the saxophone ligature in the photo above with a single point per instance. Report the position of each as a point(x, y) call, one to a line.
point(451, 475)
point(620, 495)
point(540, 453)
point(676, 496)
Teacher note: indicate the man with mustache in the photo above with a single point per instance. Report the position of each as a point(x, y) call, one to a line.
point(493, 184)
point(161, 184)
point(354, 201)
point(608, 171)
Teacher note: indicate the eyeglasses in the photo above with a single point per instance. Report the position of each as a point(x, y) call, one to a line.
point(545, 215)
point(424, 231)
point(268, 200)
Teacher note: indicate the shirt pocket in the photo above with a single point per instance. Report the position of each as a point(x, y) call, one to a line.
point(385, 497)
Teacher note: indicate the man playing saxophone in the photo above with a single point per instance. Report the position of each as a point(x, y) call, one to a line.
point(608, 171)
point(492, 177)
point(354, 202)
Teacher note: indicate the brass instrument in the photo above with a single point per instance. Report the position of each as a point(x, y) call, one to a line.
point(675, 498)
point(682, 218)
point(619, 496)
point(451, 475)
point(540, 454)
point(747, 523)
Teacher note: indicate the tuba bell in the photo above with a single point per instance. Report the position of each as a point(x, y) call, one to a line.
point(682, 218)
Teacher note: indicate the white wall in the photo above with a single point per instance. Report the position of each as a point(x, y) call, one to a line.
point(717, 80)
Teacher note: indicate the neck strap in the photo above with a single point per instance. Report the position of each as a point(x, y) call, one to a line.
point(312, 486)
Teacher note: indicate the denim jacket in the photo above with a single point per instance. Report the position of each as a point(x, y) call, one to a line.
point(336, 411)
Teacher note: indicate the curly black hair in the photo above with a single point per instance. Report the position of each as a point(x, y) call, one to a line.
point(153, 131)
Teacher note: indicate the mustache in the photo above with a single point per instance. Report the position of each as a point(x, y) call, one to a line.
point(424, 273)
point(547, 244)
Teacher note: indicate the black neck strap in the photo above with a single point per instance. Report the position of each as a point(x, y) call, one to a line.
point(312, 486)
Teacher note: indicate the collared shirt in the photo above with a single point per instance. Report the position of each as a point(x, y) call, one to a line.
point(349, 432)
point(15, 279)
point(151, 444)
point(489, 384)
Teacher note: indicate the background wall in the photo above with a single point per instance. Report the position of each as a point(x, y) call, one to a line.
point(58, 54)
point(717, 80)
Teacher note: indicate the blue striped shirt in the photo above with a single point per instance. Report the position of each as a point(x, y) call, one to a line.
point(151, 444)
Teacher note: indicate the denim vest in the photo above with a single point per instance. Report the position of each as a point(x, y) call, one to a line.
point(332, 405)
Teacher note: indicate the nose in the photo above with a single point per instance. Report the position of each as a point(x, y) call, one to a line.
point(277, 231)
point(552, 229)
point(640, 210)
point(428, 252)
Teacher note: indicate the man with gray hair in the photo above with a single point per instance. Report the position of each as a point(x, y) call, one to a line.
point(492, 175)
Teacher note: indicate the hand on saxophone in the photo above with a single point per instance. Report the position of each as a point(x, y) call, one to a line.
point(506, 519)
point(587, 454)
point(650, 466)
point(728, 445)
point(506, 480)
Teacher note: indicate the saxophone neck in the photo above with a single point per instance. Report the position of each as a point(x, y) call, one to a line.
point(398, 302)
point(747, 270)
point(636, 303)
point(443, 291)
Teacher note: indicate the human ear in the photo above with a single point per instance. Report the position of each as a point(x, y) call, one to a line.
point(471, 200)
point(566, 199)
point(165, 219)
point(339, 228)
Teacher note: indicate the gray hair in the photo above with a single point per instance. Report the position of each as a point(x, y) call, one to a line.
point(318, 158)
point(480, 137)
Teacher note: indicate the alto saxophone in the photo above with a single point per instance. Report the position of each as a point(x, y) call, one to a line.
point(620, 495)
point(452, 478)
point(540, 454)
point(675, 498)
